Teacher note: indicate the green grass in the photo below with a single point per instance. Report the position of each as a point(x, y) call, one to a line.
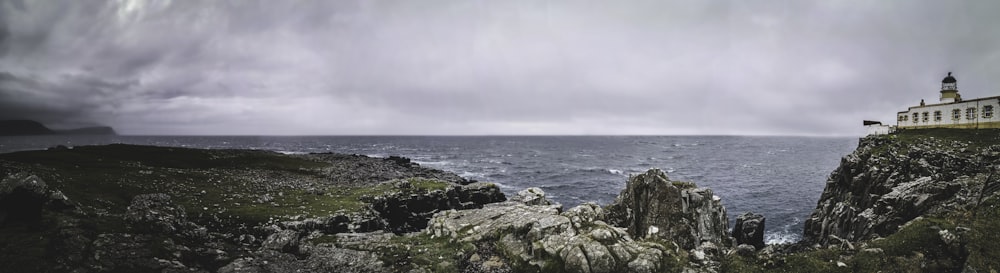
point(207, 183)
point(416, 250)
point(683, 185)
point(984, 239)
point(429, 184)
point(975, 139)
point(915, 248)
point(228, 185)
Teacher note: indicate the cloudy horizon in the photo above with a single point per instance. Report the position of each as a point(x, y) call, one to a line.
point(488, 67)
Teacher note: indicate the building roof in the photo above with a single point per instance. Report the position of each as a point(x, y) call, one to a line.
point(948, 79)
point(946, 103)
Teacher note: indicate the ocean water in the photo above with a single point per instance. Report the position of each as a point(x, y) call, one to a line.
point(780, 177)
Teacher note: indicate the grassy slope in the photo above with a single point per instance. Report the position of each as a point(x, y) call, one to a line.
point(209, 184)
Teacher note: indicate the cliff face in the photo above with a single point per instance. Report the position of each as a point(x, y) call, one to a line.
point(652, 206)
point(891, 180)
point(655, 225)
point(22, 127)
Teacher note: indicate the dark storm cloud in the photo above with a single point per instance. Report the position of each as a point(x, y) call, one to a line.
point(488, 67)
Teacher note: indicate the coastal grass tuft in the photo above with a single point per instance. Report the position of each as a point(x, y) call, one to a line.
point(683, 185)
point(917, 247)
point(429, 184)
point(416, 250)
point(976, 139)
point(983, 237)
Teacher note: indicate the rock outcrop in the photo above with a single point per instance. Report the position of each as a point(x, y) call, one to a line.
point(652, 206)
point(645, 230)
point(538, 237)
point(23, 196)
point(749, 230)
point(891, 180)
point(408, 211)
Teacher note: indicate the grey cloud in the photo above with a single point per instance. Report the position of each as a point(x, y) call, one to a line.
point(488, 67)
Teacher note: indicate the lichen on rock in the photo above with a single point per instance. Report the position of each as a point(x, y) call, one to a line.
point(651, 206)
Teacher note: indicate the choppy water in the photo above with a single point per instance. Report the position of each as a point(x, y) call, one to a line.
point(781, 177)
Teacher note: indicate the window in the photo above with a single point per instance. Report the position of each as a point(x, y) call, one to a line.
point(901, 118)
point(925, 116)
point(916, 117)
point(956, 114)
point(937, 115)
point(970, 113)
point(988, 111)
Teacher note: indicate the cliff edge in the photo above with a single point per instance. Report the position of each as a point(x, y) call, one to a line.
point(913, 201)
point(891, 180)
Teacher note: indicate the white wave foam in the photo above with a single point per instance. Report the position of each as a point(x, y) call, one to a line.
point(472, 175)
point(432, 163)
point(615, 171)
point(290, 153)
point(782, 237)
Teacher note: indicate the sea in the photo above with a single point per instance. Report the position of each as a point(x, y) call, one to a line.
point(777, 176)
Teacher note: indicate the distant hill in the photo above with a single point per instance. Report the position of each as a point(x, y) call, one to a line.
point(31, 127)
point(23, 128)
point(99, 130)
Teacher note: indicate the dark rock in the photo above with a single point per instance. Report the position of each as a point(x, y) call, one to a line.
point(123, 252)
point(402, 161)
point(887, 182)
point(156, 213)
point(749, 229)
point(651, 206)
point(409, 211)
point(745, 250)
point(359, 170)
point(22, 198)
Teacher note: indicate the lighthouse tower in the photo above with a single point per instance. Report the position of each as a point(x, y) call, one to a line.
point(949, 90)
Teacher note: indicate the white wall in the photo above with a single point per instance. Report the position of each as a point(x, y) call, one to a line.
point(877, 129)
point(946, 113)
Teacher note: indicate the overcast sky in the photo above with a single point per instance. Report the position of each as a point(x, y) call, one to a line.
point(488, 67)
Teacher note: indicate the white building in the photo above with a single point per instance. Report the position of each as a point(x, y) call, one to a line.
point(877, 128)
point(952, 111)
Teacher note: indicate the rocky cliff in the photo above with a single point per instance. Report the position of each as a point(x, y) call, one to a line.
point(655, 225)
point(891, 180)
point(916, 201)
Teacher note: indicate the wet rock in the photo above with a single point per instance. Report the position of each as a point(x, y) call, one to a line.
point(651, 206)
point(749, 229)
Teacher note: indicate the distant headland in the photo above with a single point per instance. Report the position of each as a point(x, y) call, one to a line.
point(31, 127)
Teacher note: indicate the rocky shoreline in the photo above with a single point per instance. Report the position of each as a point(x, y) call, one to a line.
point(921, 201)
